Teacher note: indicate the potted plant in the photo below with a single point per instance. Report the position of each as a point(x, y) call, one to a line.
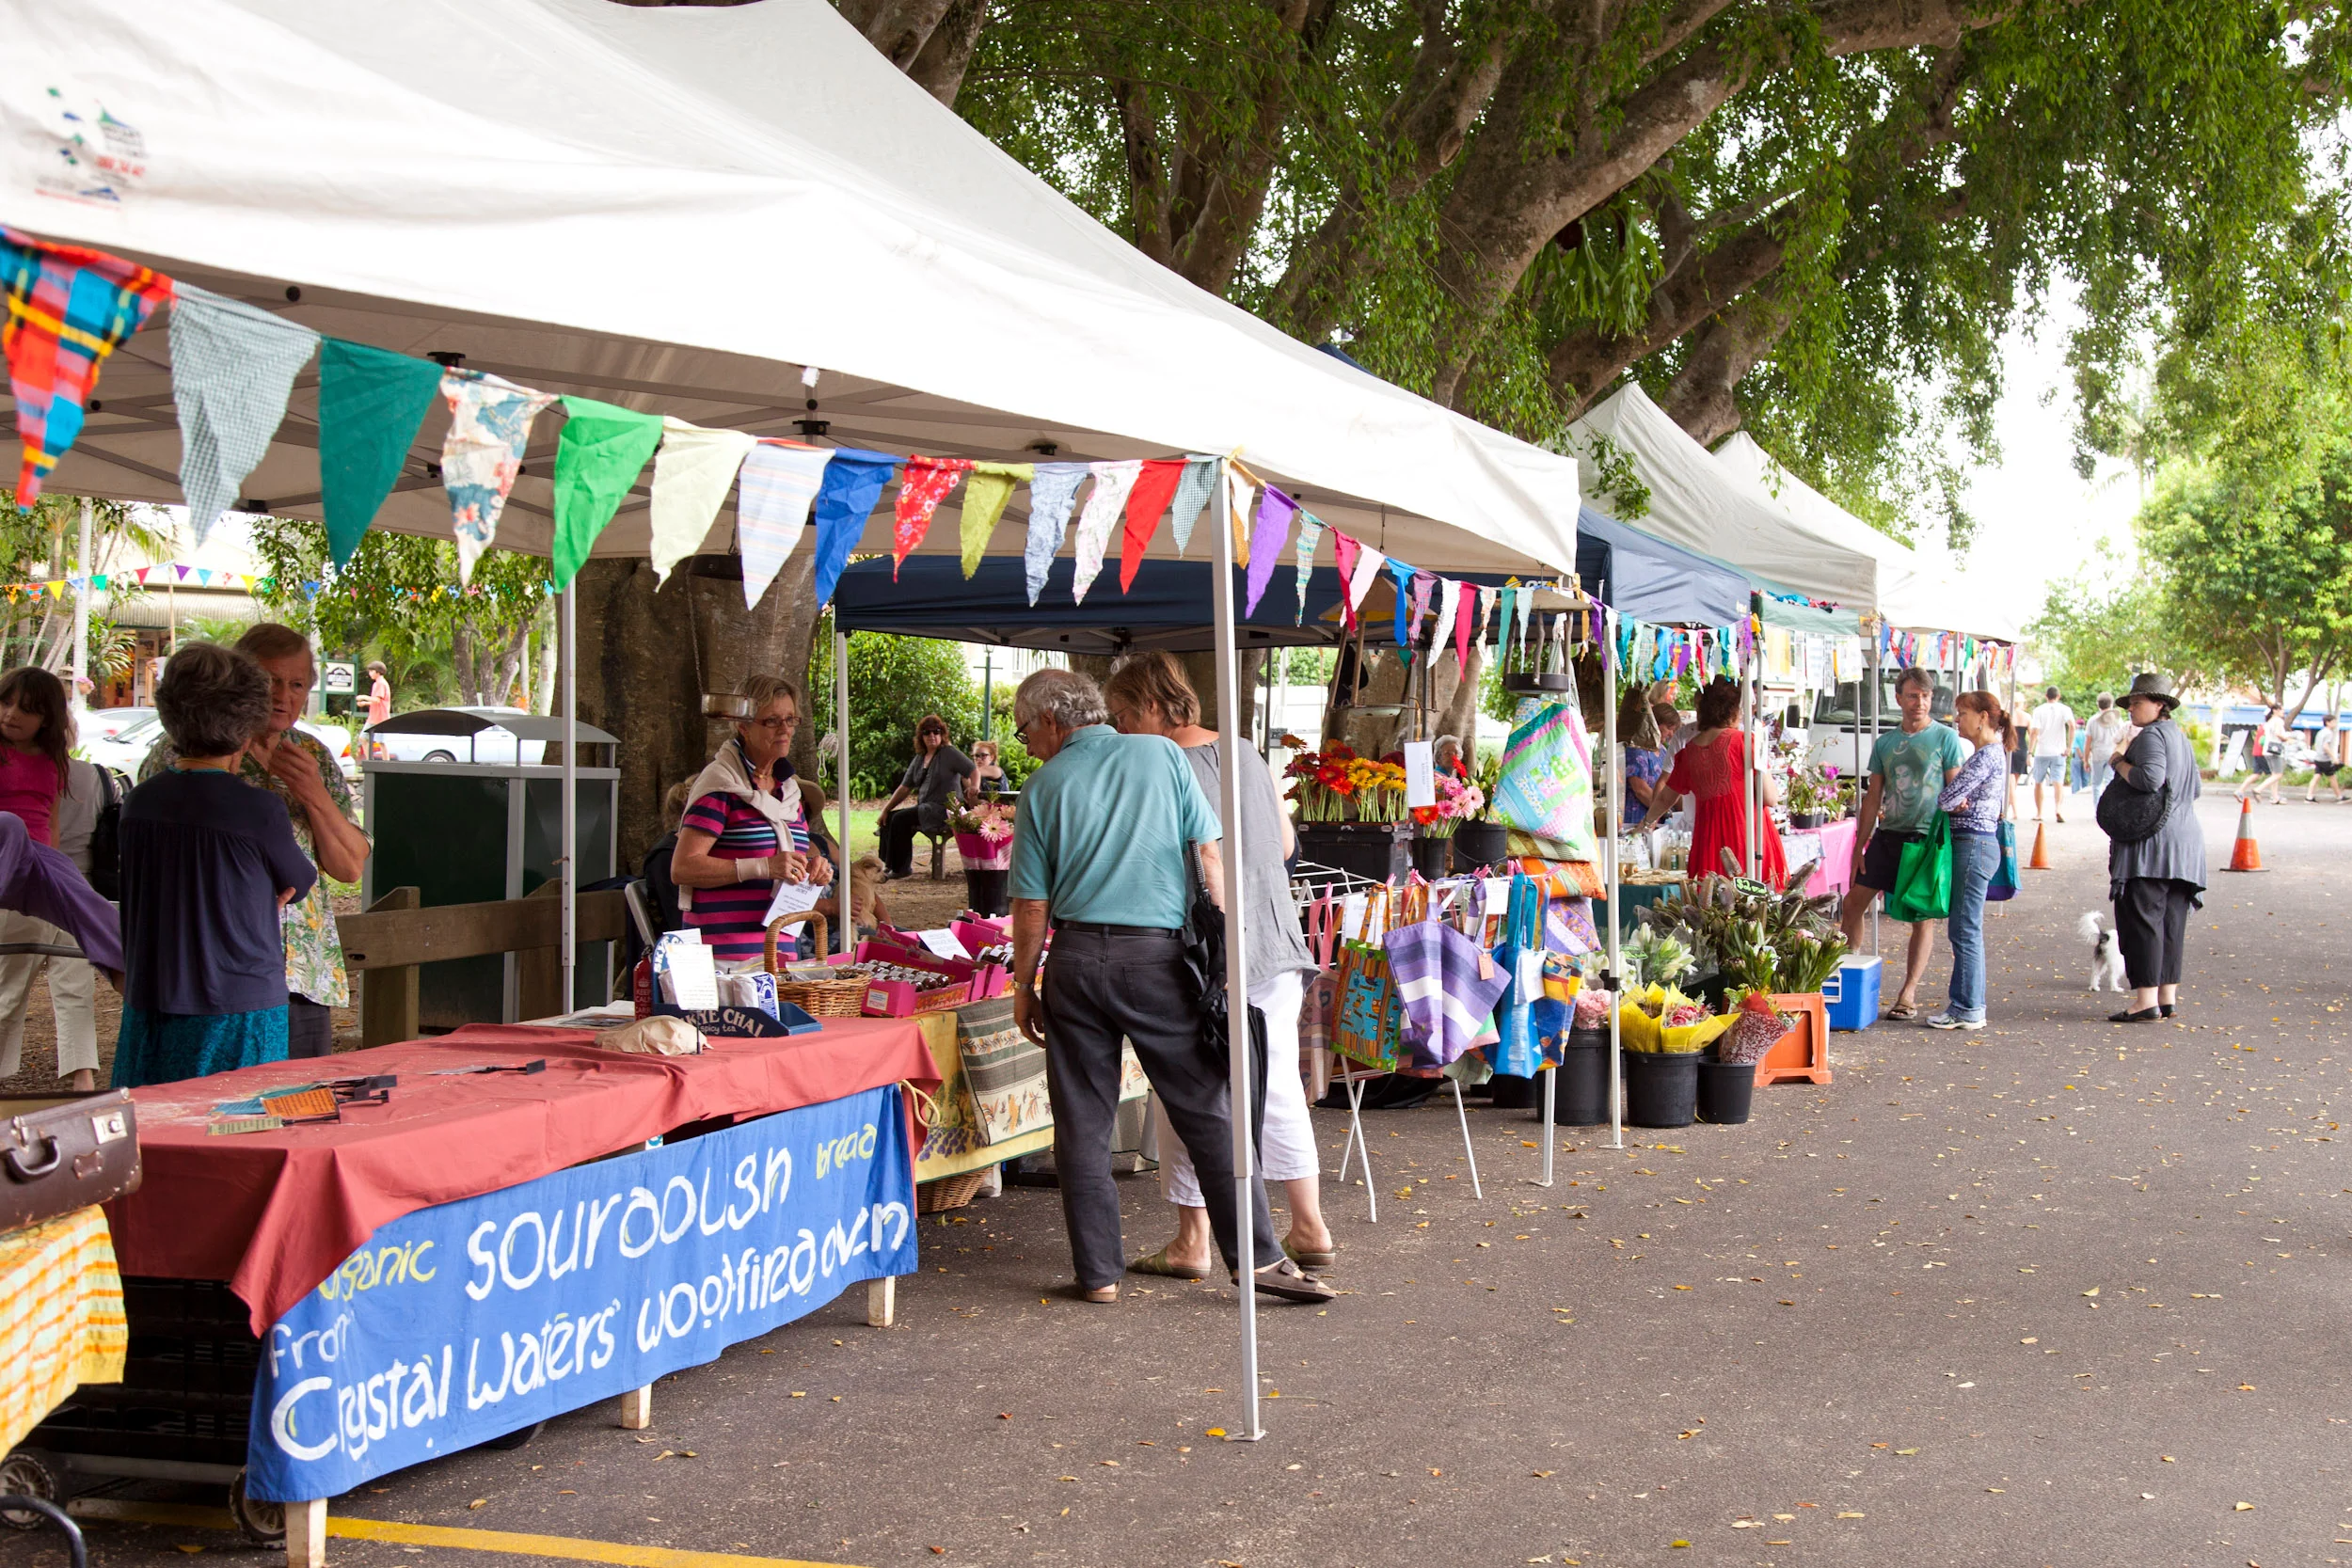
point(1436, 827)
point(1783, 945)
point(1665, 1034)
point(1349, 811)
point(1480, 838)
point(1815, 795)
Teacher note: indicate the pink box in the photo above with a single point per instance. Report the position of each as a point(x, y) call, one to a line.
point(975, 982)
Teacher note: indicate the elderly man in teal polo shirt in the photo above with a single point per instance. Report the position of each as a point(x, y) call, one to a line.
point(1105, 840)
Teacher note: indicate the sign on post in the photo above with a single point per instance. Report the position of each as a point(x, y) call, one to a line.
point(337, 677)
point(460, 1322)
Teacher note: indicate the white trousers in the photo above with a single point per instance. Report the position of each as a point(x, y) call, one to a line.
point(72, 996)
point(1286, 1151)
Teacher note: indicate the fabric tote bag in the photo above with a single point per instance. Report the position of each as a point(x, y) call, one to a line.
point(1446, 986)
point(1923, 880)
point(2004, 883)
point(1519, 1050)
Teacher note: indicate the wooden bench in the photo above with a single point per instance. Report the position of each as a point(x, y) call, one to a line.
point(394, 936)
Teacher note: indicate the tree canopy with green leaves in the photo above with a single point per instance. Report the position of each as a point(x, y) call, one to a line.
point(1814, 219)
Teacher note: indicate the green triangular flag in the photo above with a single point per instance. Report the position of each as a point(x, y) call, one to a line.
point(370, 404)
point(602, 450)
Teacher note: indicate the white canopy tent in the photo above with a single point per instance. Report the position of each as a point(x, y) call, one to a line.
point(1695, 503)
point(1913, 593)
point(679, 210)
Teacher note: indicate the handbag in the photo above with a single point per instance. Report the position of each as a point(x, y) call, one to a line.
point(1923, 882)
point(2004, 883)
point(1519, 1050)
point(1364, 1024)
point(1204, 954)
point(1446, 988)
point(2129, 816)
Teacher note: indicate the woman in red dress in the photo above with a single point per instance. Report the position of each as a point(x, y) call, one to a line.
point(1712, 768)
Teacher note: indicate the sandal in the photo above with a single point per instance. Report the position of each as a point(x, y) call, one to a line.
point(1903, 1010)
point(1308, 1259)
point(1287, 1280)
point(1107, 1295)
point(1157, 1263)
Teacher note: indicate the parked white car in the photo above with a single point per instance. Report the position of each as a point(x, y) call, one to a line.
point(489, 744)
point(126, 746)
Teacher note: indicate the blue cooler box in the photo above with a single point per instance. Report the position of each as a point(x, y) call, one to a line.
point(1852, 994)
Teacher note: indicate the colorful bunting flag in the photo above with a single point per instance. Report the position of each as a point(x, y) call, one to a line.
point(1192, 494)
point(603, 448)
point(1465, 623)
point(233, 368)
point(778, 480)
point(1155, 489)
point(922, 487)
point(1266, 544)
point(1112, 482)
point(489, 427)
point(1344, 554)
point(692, 475)
point(1051, 493)
point(853, 482)
point(1237, 490)
point(1448, 603)
point(371, 402)
point(68, 308)
point(1310, 534)
point(985, 494)
point(1424, 584)
point(1369, 563)
point(1401, 573)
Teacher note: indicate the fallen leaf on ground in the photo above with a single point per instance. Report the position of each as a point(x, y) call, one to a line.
point(2243, 1507)
point(1906, 1451)
point(1849, 1513)
point(1214, 1432)
point(481, 1501)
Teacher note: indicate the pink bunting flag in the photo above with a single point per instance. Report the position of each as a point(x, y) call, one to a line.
point(1343, 555)
point(1465, 623)
point(1267, 543)
point(1370, 563)
point(923, 483)
point(1424, 584)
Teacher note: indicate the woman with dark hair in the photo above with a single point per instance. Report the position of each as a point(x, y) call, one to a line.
point(2156, 881)
point(934, 777)
point(1712, 770)
point(208, 864)
point(1974, 798)
point(36, 743)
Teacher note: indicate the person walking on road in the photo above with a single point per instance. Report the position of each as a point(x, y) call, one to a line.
point(2327, 756)
point(2156, 881)
point(2102, 734)
point(1908, 769)
point(1974, 798)
point(379, 703)
point(1105, 839)
point(2052, 730)
point(2265, 757)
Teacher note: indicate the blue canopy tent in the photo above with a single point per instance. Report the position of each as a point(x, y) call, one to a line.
point(1168, 606)
point(1649, 579)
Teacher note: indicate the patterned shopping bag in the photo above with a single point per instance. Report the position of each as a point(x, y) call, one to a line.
point(1445, 986)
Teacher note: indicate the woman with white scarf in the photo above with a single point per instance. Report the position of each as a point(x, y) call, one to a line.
point(746, 828)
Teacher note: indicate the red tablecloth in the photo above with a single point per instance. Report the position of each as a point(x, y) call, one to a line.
point(273, 1213)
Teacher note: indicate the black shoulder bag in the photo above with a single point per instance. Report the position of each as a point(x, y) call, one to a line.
point(1204, 954)
point(106, 839)
point(2129, 816)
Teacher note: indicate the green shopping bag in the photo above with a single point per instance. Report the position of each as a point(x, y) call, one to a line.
point(1923, 880)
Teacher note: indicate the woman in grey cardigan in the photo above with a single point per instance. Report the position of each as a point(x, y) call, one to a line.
point(2156, 881)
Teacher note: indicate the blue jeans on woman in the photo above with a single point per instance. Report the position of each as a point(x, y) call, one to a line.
point(1975, 858)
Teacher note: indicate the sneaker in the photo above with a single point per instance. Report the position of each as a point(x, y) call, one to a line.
point(1946, 1021)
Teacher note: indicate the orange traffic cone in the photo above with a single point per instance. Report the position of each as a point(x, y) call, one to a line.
point(2246, 855)
point(2041, 860)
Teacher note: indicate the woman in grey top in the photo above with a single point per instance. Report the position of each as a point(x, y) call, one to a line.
point(2156, 881)
point(1150, 695)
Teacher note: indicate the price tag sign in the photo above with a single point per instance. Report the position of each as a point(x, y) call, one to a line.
point(1421, 778)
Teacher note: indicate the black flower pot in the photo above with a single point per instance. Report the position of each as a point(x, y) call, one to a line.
point(1805, 819)
point(1662, 1088)
point(1368, 849)
point(1433, 857)
point(986, 889)
point(1582, 1096)
point(1477, 843)
point(1726, 1092)
point(1514, 1093)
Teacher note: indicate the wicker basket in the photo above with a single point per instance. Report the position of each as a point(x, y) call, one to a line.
point(950, 1192)
point(844, 998)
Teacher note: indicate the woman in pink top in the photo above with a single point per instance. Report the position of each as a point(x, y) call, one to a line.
point(36, 740)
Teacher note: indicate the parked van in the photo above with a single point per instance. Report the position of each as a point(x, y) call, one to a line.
point(1837, 726)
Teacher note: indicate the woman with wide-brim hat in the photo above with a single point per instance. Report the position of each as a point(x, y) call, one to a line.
point(2156, 881)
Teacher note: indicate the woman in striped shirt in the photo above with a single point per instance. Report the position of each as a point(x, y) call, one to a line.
point(746, 828)
point(1975, 798)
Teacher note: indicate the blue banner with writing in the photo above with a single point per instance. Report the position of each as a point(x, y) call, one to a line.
point(457, 1324)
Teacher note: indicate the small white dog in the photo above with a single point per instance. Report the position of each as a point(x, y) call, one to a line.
point(2106, 953)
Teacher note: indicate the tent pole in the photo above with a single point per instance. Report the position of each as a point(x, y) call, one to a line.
point(1616, 901)
point(1871, 667)
point(847, 926)
point(75, 702)
point(569, 645)
point(1236, 963)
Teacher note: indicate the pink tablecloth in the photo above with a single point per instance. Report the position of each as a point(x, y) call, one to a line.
point(1834, 845)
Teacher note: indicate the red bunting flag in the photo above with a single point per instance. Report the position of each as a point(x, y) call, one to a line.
point(1344, 550)
point(1146, 504)
point(923, 483)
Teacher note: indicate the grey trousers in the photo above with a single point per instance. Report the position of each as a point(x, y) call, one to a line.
point(1098, 988)
point(310, 1028)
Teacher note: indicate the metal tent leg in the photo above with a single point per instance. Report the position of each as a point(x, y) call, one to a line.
point(1551, 1080)
point(1354, 1083)
point(1472, 1154)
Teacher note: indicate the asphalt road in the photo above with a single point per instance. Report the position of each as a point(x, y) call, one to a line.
point(2056, 1293)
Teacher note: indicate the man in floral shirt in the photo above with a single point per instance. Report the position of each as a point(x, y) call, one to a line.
point(300, 771)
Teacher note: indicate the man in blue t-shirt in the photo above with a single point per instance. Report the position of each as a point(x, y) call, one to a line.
point(1909, 768)
point(1104, 841)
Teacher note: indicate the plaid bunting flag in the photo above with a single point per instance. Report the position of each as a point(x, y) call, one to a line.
point(1192, 493)
point(233, 368)
point(1310, 534)
point(1112, 483)
point(68, 308)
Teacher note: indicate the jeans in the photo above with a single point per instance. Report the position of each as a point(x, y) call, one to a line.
point(2102, 773)
point(1975, 858)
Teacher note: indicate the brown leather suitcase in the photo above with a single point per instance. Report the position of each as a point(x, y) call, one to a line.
point(62, 1153)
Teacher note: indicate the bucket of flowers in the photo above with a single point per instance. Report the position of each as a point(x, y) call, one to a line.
point(1350, 810)
point(1434, 827)
point(983, 834)
point(1816, 795)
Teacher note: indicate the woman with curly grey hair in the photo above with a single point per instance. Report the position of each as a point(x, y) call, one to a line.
point(207, 864)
